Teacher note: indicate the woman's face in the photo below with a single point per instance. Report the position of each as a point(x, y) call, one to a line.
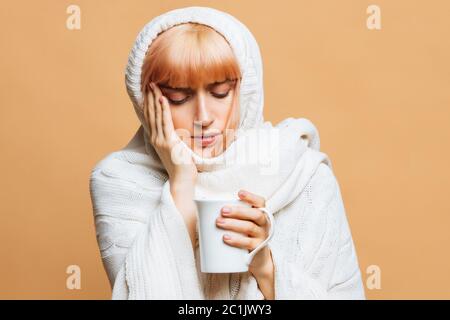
point(201, 115)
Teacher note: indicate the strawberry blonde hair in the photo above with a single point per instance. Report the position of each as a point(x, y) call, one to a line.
point(189, 55)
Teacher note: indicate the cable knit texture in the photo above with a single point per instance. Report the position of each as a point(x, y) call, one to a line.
point(143, 240)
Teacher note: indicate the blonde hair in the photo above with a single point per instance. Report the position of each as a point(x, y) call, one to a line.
point(189, 54)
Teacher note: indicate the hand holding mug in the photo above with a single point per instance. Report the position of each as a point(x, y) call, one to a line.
point(254, 226)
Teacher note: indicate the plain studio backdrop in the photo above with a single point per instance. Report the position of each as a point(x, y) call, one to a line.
point(380, 99)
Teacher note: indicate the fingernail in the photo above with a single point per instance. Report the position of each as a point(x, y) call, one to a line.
point(242, 193)
point(226, 237)
point(161, 100)
point(220, 221)
point(226, 210)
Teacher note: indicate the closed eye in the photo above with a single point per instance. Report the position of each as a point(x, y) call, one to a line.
point(178, 102)
point(221, 96)
point(216, 95)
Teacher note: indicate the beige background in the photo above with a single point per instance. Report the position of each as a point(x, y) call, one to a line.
point(380, 100)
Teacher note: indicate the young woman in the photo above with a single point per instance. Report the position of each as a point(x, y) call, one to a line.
point(195, 79)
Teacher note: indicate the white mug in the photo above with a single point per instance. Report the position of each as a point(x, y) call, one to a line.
point(216, 256)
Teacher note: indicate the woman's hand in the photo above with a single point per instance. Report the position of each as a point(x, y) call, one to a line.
point(178, 163)
point(254, 226)
point(180, 166)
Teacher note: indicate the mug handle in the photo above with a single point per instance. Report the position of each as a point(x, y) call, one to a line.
point(250, 255)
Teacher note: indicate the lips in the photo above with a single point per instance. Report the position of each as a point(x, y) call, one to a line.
point(206, 140)
point(205, 136)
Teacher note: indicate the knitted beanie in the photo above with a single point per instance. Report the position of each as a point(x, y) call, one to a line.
point(241, 41)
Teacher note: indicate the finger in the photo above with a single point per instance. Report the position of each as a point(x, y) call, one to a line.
point(251, 198)
point(241, 212)
point(240, 241)
point(242, 226)
point(145, 113)
point(168, 128)
point(151, 113)
point(158, 111)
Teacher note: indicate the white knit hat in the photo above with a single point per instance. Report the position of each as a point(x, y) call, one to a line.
point(241, 40)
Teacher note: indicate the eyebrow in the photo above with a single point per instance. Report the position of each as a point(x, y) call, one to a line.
point(187, 89)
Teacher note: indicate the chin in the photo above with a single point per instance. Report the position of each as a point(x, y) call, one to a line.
point(204, 153)
point(207, 152)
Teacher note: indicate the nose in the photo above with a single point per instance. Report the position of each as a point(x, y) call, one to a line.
point(203, 119)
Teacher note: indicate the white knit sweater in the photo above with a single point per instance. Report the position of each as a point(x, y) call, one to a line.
point(147, 252)
point(142, 237)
